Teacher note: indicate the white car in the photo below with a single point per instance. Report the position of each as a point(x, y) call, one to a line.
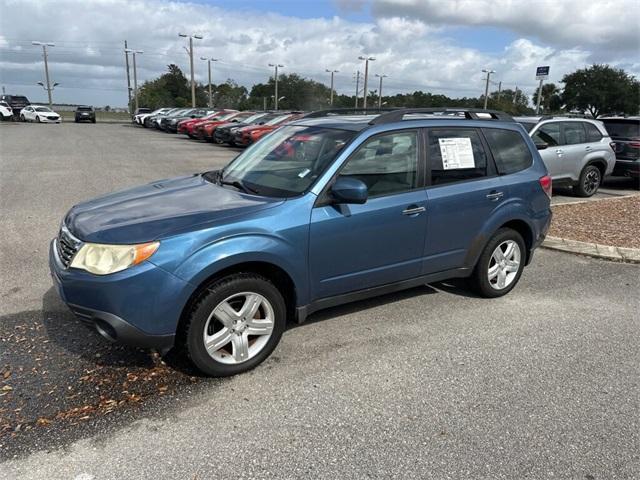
point(5, 111)
point(40, 114)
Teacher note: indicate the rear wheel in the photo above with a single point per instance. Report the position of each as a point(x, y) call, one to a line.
point(22, 119)
point(500, 265)
point(234, 325)
point(589, 181)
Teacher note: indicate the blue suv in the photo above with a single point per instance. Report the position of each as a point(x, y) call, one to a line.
point(326, 210)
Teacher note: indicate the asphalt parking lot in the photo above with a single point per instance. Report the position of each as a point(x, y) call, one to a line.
point(429, 383)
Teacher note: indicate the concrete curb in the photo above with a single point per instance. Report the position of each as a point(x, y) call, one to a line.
point(607, 252)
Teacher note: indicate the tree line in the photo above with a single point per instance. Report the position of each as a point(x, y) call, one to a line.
point(595, 90)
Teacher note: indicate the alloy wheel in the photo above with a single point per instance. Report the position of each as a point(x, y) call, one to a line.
point(504, 265)
point(591, 181)
point(239, 328)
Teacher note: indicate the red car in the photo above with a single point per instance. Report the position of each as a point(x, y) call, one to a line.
point(205, 131)
point(245, 136)
point(187, 126)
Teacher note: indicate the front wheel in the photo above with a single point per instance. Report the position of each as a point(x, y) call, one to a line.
point(37, 118)
point(500, 265)
point(589, 182)
point(234, 325)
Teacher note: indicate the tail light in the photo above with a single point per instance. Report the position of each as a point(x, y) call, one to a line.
point(634, 144)
point(545, 183)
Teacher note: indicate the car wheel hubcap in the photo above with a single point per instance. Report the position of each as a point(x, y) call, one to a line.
point(591, 181)
point(504, 265)
point(239, 328)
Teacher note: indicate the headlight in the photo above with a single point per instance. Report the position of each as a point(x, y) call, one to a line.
point(105, 259)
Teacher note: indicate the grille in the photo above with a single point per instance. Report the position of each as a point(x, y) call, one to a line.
point(67, 246)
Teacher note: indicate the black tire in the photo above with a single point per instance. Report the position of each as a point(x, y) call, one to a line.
point(37, 118)
point(93, 120)
point(193, 329)
point(22, 119)
point(587, 186)
point(479, 279)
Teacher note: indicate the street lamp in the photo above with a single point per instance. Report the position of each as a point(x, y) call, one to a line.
point(331, 72)
point(44, 46)
point(190, 52)
point(366, 59)
point(276, 66)
point(380, 90)
point(486, 87)
point(209, 60)
point(135, 74)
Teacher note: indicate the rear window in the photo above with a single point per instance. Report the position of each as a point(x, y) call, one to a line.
point(84, 109)
point(455, 155)
point(509, 150)
point(19, 100)
point(622, 129)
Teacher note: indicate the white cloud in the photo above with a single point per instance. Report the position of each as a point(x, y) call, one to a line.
point(88, 59)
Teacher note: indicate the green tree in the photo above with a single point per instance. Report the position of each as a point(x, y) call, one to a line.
point(551, 100)
point(299, 93)
point(601, 89)
point(170, 89)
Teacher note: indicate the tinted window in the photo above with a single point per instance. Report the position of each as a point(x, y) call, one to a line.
point(386, 164)
point(593, 134)
point(84, 109)
point(548, 133)
point(623, 129)
point(528, 125)
point(456, 154)
point(509, 150)
point(574, 133)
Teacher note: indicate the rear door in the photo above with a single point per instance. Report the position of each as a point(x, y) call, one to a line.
point(575, 148)
point(463, 190)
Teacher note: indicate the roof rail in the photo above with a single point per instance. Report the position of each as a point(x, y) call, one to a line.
point(398, 115)
point(346, 111)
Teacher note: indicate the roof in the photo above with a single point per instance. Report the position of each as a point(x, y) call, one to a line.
point(343, 122)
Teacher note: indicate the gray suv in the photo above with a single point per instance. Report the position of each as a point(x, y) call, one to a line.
point(576, 151)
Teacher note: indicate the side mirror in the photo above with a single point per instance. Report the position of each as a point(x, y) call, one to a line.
point(542, 146)
point(349, 190)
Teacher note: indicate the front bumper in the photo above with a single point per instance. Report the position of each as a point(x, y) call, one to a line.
point(140, 306)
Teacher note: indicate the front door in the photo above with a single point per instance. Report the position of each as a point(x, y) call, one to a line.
point(353, 247)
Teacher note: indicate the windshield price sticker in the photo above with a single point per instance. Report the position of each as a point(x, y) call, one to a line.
point(457, 153)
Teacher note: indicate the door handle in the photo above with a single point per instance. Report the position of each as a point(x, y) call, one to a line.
point(494, 196)
point(413, 210)
point(587, 148)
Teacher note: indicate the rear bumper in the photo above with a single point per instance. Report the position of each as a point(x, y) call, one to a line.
point(627, 168)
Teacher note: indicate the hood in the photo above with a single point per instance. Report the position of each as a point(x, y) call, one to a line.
point(161, 208)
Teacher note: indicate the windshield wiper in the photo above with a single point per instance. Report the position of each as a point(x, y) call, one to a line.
point(239, 185)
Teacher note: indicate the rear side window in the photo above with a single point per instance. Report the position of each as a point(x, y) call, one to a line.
point(509, 150)
point(574, 133)
point(593, 134)
point(455, 155)
point(548, 133)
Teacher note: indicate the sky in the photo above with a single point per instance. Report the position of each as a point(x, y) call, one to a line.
point(440, 46)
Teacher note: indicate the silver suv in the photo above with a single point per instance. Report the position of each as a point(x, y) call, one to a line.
point(576, 151)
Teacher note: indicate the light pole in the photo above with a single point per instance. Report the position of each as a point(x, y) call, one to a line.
point(486, 87)
point(276, 66)
point(357, 79)
point(135, 74)
point(209, 60)
point(366, 78)
point(331, 72)
point(380, 90)
point(44, 46)
point(190, 51)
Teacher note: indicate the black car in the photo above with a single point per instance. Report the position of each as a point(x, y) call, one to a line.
point(16, 102)
point(85, 113)
point(170, 123)
point(224, 133)
point(625, 133)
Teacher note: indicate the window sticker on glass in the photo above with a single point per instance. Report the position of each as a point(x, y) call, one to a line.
point(457, 153)
point(304, 173)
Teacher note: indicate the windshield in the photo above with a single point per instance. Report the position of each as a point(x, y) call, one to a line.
point(288, 161)
point(527, 125)
point(254, 118)
point(42, 109)
point(622, 128)
point(277, 120)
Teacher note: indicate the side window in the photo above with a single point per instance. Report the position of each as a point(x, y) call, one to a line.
point(386, 164)
point(548, 133)
point(456, 154)
point(593, 134)
point(574, 133)
point(509, 150)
